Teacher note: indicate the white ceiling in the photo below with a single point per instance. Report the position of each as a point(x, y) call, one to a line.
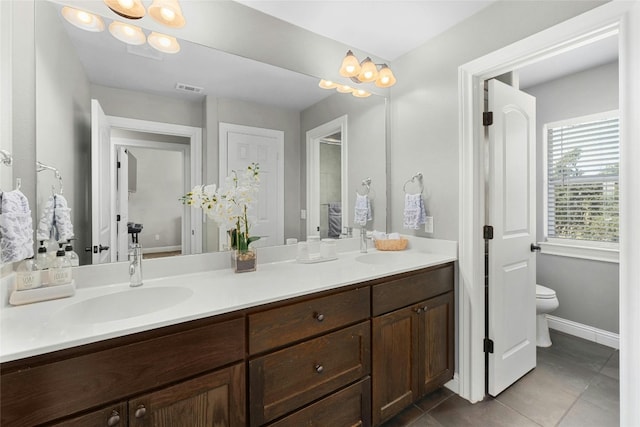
point(385, 28)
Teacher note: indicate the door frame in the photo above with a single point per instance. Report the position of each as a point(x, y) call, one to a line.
point(191, 218)
point(620, 17)
point(185, 150)
point(313, 170)
point(223, 169)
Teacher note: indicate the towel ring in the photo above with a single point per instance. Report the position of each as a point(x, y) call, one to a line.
point(42, 167)
point(366, 183)
point(414, 178)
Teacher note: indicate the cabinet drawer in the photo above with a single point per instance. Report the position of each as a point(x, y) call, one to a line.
point(411, 289)
point(285, 380)
point(350, 407)
point(60, 387)
point(283, 325)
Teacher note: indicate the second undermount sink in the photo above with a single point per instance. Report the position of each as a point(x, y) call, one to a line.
point(124, 305)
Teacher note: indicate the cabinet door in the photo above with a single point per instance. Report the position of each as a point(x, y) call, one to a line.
point(110, 416)
point(216, 399)
point(436, 342)
point(395, 355)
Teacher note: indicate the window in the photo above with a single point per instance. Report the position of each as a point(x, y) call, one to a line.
point(582, 163)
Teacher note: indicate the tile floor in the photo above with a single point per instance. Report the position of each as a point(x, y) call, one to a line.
point(575, 383)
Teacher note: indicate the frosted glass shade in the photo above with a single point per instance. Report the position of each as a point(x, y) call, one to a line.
point(163, 43)
point(350, 66)
point(167, 12)
point(130, 9)
point(127, 33)
point(83, 20)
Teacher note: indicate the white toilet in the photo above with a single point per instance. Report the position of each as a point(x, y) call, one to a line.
point(546, 302)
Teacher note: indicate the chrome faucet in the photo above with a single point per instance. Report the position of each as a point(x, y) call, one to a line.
point(363, 240)
point(135, 265)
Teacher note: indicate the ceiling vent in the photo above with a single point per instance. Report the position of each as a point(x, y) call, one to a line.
point(183, 87)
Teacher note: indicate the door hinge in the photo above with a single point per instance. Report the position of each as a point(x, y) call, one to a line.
point(118, 165)
point(487, 118)
point(488, 345)
point(487, 232)
point(117, 217)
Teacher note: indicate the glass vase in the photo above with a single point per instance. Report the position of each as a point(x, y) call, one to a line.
point(244, 261)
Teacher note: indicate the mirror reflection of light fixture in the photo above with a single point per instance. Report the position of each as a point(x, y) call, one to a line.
point(167, 12)
point(83, 20)
point(360, 93)
point(366, 71)
point(127, 33)
point(163, 43)
point(344, 89)
point(130, 9)
point(327, 84)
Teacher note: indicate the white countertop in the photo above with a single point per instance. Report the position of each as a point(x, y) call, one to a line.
point(44, 327)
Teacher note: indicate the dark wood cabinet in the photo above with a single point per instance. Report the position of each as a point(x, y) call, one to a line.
point(349, 357)
point(413, 347)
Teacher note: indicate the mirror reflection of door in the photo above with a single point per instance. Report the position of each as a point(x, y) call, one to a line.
point(327, 212)
point(330, 186)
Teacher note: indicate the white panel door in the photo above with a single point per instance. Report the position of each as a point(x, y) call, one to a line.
point(511, 210)
point(100, 186)
point(122, 202)
point(243, 145)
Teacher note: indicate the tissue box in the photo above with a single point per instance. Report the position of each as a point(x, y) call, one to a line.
point(391, 244)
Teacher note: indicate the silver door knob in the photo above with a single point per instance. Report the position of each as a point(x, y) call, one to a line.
point(319, 368)
point(535, 248)
point(318, 316)
point(114, 419)
point(141, 411)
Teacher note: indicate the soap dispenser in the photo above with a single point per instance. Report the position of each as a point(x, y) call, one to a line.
point(28, 275)
point(60, 270)
point(71, 255)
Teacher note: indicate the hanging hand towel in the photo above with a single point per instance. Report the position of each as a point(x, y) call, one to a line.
point(414, 211)
point(362, 210)
point(55, 221)
point(16, 227)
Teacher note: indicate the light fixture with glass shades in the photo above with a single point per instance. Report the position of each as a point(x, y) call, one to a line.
point(327, 84)
point(130, 9)
point(163, 43)
point(366, 71)
point(83, 20)
point(360, 93)
point(167, 12)
point(127, 33)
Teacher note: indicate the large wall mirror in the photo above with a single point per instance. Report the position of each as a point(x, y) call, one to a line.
point(159, 117)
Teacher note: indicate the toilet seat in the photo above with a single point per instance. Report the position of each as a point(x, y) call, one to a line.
point(542, 292)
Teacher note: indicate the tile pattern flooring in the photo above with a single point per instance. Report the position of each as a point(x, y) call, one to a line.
point(575, 383)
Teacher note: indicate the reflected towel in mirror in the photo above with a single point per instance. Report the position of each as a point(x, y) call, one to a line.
point(55, 222)
point(16, 227)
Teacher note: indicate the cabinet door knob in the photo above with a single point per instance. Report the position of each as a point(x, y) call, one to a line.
point(319, 368)
point(114, 419)
point(318, 316)
point(418, 310)
point(141, 411)
point(425, 308)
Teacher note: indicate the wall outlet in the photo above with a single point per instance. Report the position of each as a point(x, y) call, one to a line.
point(303, 214)
point(428, 224)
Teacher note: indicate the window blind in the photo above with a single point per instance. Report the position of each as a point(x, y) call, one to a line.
point(582, 170)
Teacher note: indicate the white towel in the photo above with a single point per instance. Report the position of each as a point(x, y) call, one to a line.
point(16, 227)
point(55, 222)
point(362, 212)
point(414, 211)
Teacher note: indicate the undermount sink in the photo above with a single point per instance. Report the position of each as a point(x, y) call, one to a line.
point(124, 305)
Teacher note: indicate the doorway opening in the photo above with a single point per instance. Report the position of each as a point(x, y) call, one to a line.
point(327, 187)
point(597, 24)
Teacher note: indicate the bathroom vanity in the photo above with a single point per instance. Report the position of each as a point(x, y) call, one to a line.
point(373, 336)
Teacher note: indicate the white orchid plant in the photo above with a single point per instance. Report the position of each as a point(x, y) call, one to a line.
point(228, 205)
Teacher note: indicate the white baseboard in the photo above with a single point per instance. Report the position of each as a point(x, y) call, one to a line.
point(586, 332)
point(161, 249)
point(454, 384)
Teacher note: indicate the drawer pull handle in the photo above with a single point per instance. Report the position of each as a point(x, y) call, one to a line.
point(318, 316)
point(319, 368)
point(114, 419)
point(141, 411)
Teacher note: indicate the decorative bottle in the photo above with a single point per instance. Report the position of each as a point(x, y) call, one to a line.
point(28, 275)
point(60, 270)
point(71, 255)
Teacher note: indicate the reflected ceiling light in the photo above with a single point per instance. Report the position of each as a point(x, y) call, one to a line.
point(385, 77)
point(360, 93)
point(127, 33)
point(131, 9)
point(366, 71)
point(84, 20)
point(327, 84)
point(167, 12)
point(164, 43)
point(344, 89)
